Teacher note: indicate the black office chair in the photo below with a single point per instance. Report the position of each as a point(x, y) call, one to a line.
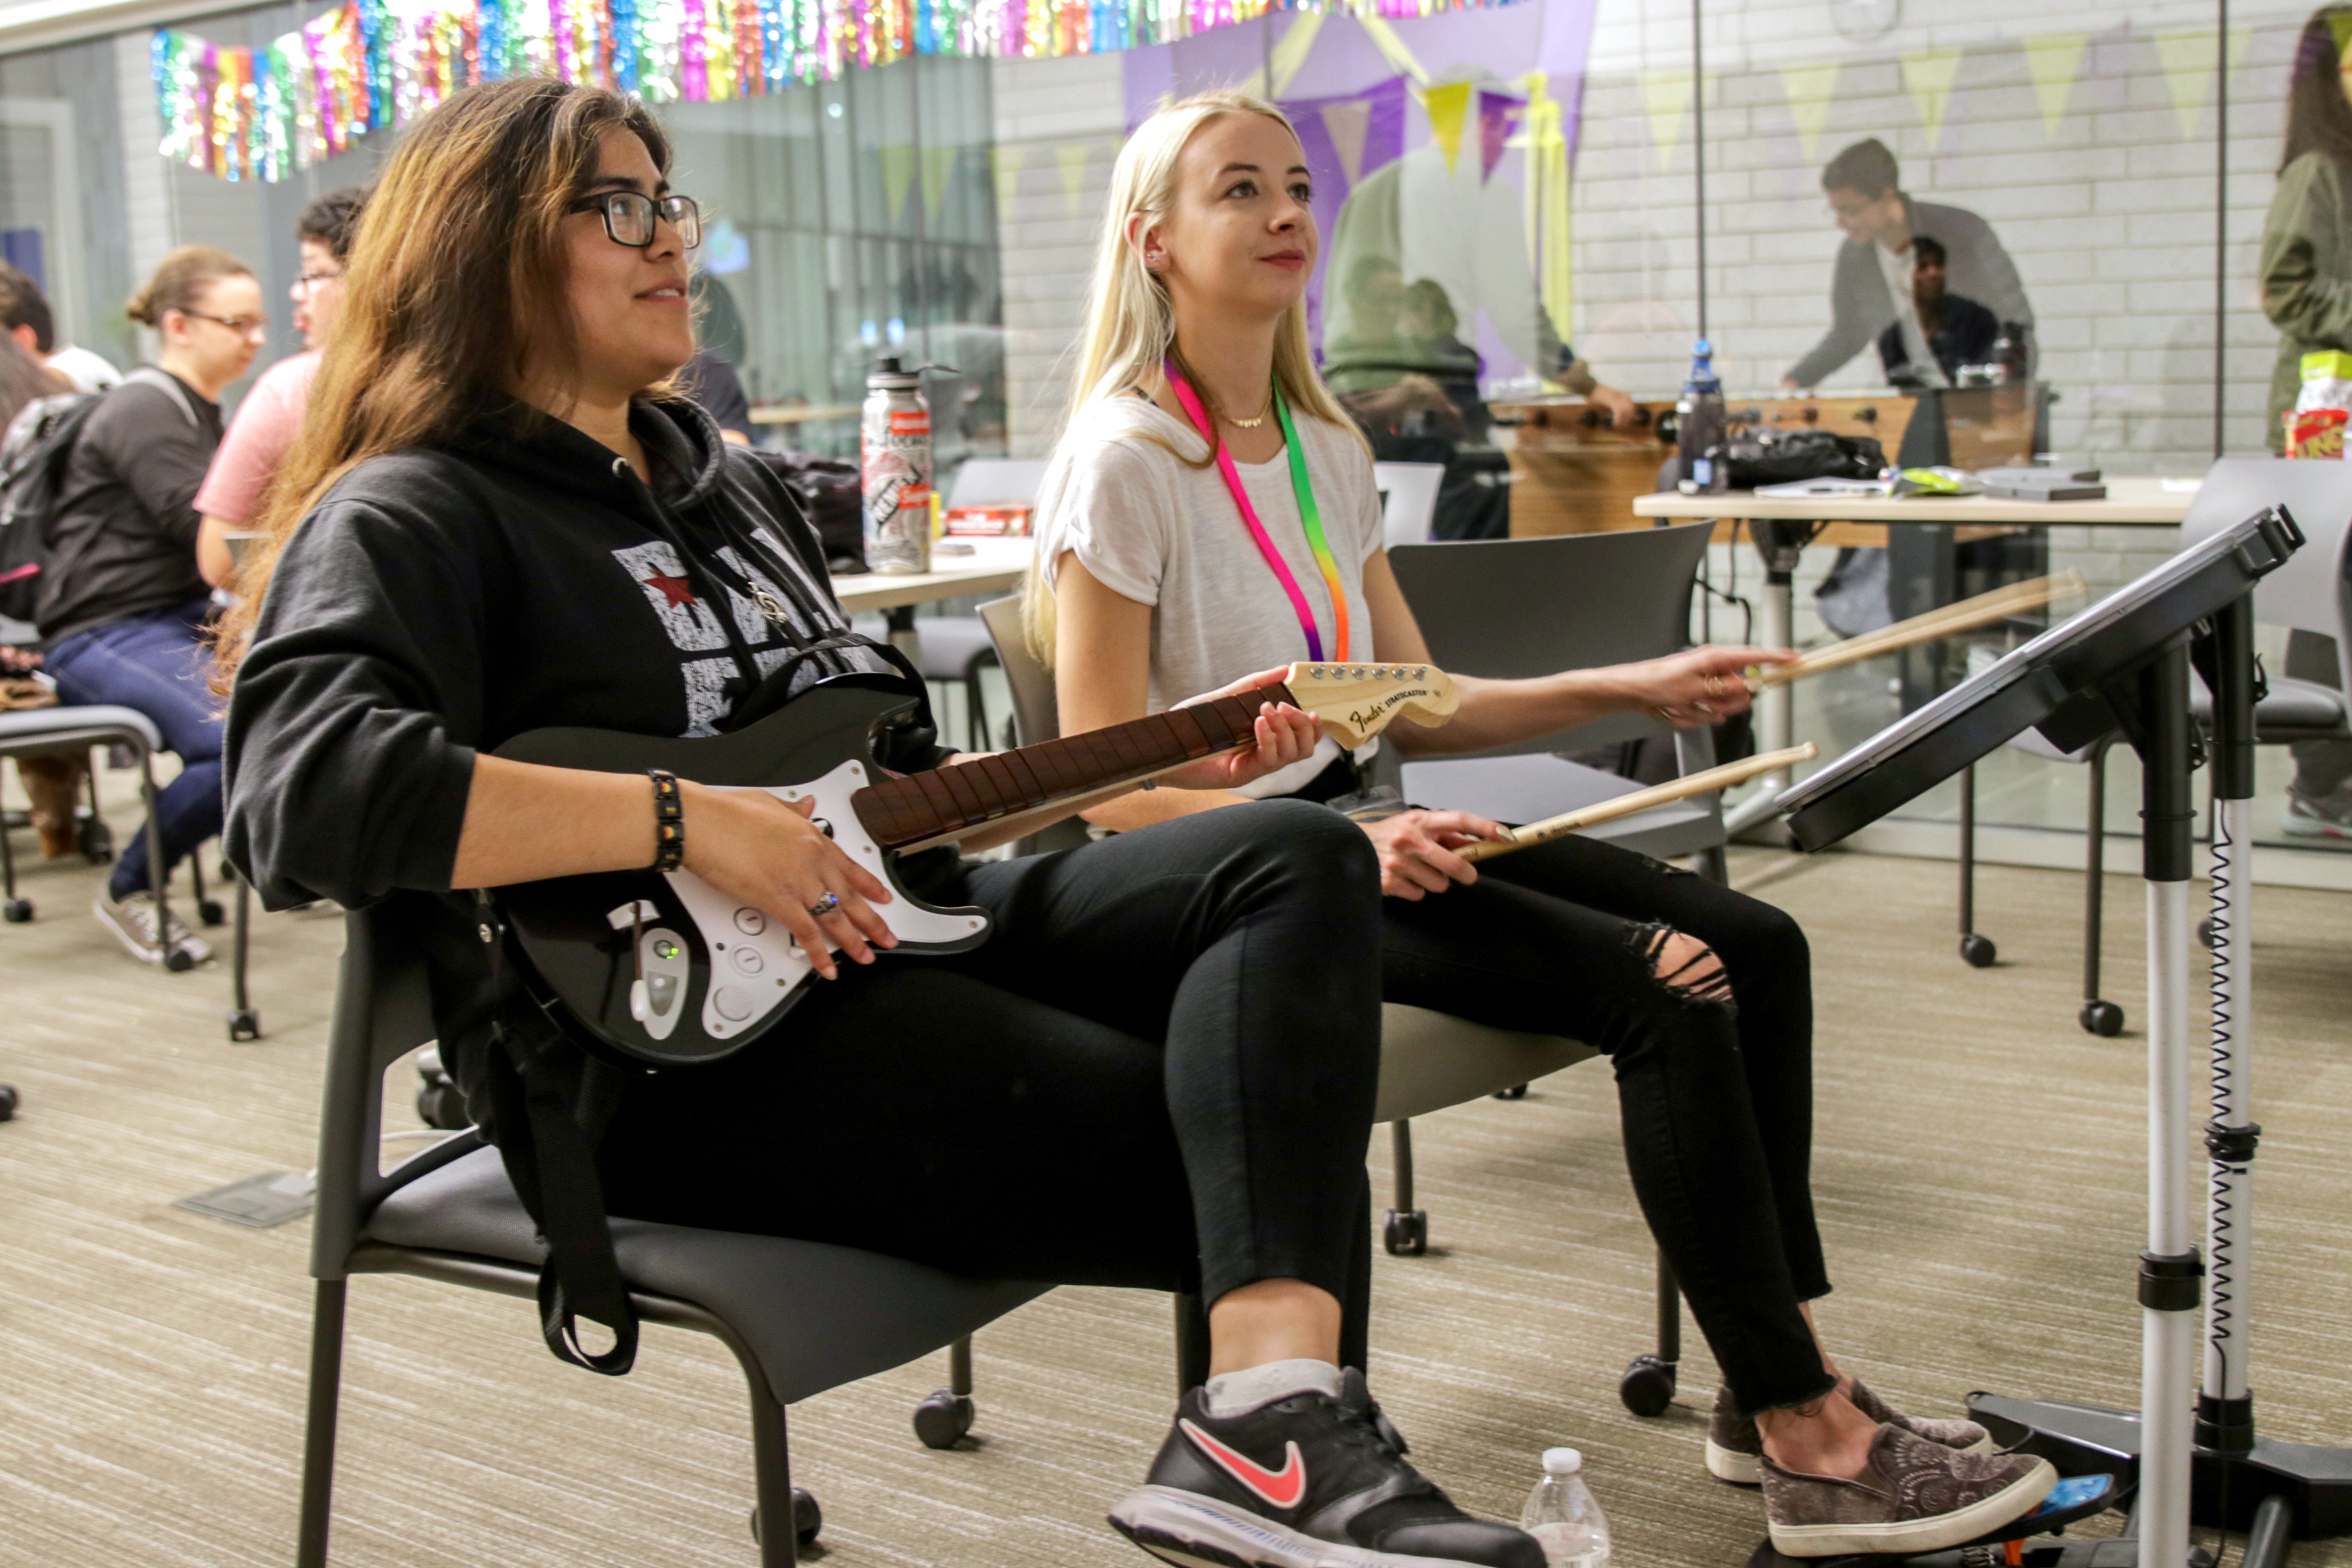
point(800, 1316)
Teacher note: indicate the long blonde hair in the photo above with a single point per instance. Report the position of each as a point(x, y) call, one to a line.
point(1130, 328)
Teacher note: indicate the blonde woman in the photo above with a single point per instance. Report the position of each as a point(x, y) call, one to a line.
point(1209, 512)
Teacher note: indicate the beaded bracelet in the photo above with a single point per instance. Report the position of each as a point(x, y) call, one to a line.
point(669, 821)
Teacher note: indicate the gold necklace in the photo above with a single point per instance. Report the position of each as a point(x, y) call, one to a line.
point(1263, 409)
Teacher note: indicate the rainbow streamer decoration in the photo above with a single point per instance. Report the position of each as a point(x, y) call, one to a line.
point(267, 113)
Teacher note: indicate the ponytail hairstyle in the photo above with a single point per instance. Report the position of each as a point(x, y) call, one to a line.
point(180, 281)
point(1131, 323)
point(457, 275)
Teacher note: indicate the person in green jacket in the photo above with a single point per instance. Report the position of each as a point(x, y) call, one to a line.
point(2306, 272)
point(2306, 264)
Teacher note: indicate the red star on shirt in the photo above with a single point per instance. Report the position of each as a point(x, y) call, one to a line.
point(677, 593)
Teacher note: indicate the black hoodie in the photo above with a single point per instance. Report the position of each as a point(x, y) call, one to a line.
point(441, 601)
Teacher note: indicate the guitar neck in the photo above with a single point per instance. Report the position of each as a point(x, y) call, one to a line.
point(940, 801)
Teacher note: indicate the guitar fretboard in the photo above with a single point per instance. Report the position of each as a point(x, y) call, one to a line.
point(900, 812)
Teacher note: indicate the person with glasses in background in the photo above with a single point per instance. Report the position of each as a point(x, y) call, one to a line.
point(1873, 289)
point(122, 615)
point(271, 411)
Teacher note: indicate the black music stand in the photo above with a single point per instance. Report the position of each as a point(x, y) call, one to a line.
point(2127, 659)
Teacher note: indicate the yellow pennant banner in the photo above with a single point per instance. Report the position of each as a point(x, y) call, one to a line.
point(1929, 75)
point(1812, 90)
point(1074, 160)
point(1449, 110)
point(1005, 159)
point(897, 175)
point(1667, 96)
point(939, 165)
point(2054, 60)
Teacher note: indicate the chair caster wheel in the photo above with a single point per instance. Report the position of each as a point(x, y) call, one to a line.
point(8, 1101)
point(1977, 951)
point(17, 910)
point(2102, 1018)
point(179, 961)
point(243, 1024)
point(1406, 1235)
point(807, 1517)
point(1516, 1091)
point(95, 840)
point(942, 1420)
point(440, 1105)
point(1648, 1386)
point(228, 871)
point(210, 913)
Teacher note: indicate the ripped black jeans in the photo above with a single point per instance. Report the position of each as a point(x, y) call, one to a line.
point(1716, 1096)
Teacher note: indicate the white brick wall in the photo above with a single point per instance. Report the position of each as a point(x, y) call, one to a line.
point(1059, 123)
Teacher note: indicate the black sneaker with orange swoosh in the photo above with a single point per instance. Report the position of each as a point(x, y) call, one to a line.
point(1306, 1482)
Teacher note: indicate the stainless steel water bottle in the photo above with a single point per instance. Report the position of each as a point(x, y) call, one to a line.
point(895, 460)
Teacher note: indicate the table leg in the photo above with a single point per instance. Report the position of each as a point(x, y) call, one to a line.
point(901, 620)
point(1779, 543)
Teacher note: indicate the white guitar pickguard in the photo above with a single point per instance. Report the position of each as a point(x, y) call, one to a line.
point(755, 964)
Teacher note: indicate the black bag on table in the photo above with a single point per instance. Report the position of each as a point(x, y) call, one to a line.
point(832, 494)
point(1770, 457)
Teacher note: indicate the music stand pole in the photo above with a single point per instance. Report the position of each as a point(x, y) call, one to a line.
point(2225, 1407)
point(2170, 1268)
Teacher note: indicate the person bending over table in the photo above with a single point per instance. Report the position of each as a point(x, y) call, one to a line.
point(1158, 1071)
point(1158, 575)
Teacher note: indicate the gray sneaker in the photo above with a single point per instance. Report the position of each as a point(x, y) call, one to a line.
point(1913, 1497)
point(2326, 815)
point(132, 919)
point(1734, 1450)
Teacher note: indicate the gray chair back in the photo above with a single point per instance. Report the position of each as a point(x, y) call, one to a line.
point(1512, 608)
point(383, 1010)
point(2310, 593)
point(1036, 715)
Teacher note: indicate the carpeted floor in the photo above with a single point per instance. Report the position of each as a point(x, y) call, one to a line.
point(1978, 1174)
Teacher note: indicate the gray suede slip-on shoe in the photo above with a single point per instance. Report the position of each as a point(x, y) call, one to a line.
point(1734, 1450)
point(1914, 1496)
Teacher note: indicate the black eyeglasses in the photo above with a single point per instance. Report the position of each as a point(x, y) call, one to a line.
point(630, 218)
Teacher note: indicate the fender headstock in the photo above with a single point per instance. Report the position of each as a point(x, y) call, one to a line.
point(1356, 701)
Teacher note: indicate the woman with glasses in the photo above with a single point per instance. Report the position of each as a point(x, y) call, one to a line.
point(500, 516)
point(122, 611)
point(271, 410)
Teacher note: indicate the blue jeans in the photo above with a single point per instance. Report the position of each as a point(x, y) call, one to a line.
point(158, 664)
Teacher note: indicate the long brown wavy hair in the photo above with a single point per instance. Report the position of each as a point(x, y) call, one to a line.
point(479, 191)
point(2318, 119)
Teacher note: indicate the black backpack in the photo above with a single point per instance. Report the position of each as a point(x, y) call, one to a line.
point(32, 466)
point(32, 457)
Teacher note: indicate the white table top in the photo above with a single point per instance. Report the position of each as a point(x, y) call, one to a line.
point(2130, 503)
point(995, 566)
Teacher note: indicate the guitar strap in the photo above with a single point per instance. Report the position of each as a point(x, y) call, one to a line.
point(550, 1117)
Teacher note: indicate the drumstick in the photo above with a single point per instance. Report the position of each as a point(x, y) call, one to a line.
point(1716, 778)
point(1966, 616)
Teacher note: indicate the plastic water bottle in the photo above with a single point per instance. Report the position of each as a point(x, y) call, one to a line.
point(1701, 428)
point(1563, 1518)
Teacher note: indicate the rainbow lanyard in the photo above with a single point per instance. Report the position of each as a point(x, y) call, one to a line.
point(1310, 519)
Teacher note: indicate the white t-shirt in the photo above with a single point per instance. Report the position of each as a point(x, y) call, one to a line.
point(1167, 534)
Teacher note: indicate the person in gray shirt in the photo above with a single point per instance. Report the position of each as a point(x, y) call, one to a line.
point(1879, 222)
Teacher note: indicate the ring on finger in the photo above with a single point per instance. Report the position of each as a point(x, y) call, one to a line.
point(825, 905)
point(1715, 685)
point(1664, 712)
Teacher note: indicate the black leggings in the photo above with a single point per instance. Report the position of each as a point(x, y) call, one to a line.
point(1716, 1094)
point(1158, 1071)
